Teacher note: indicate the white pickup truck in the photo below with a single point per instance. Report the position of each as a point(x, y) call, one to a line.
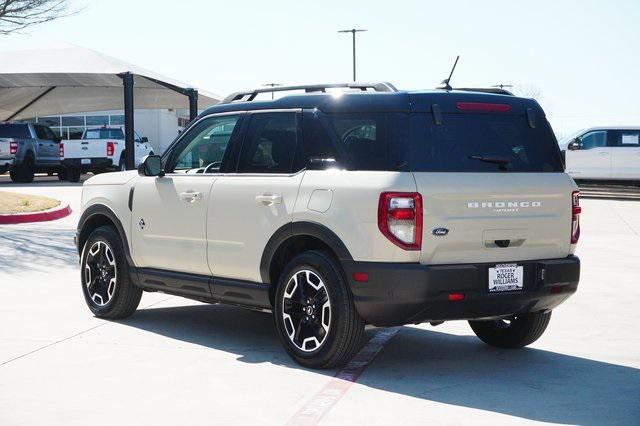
point(100, 149)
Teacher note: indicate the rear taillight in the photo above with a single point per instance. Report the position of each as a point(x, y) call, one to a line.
point(400, 218)
point(575, 216)
point(110, 148)
point(13, 147)
point(61, 150)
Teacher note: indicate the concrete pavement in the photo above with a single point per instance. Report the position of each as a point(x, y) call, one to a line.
point(178, 361)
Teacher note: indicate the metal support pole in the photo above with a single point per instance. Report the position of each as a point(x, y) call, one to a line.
point(354, 55)
point(127, 81)
point(193, 104)
point(353, 32)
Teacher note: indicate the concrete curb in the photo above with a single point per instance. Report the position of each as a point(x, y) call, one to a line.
point(43, 216)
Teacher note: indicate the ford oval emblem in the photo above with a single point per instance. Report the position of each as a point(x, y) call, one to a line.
point(440, 232)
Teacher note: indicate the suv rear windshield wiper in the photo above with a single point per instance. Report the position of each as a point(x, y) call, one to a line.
point(502, 162)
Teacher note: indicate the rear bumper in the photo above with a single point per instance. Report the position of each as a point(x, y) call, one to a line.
point(95, 164)
point(405, 293)
point(6, 161)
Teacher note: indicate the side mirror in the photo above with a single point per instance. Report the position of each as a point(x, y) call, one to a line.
point(574, 145)
point(144, 139)
point(319, 163)
point(151, 165)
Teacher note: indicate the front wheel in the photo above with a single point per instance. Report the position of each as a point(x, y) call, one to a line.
point(314, 312)
point(106, 284)
point(516, 332)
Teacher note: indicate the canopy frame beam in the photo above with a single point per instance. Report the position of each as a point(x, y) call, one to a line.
point(33, 101)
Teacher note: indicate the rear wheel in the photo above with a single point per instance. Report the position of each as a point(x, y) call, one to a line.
point(23, 173)
point(74, 174)
point(106, 284)
point(314, 312)
point(62, 174)
point(519, 331)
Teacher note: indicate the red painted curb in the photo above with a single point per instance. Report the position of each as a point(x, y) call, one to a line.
point(6, 219)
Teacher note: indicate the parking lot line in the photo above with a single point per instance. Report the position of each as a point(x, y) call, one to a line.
point(322, 402)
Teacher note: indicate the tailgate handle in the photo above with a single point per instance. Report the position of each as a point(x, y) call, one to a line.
point(84, 143)
point(502, 243)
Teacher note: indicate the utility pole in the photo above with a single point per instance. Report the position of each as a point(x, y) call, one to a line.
point(272, 85)
point(353, 32)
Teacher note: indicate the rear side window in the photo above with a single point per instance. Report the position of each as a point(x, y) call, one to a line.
point(270, 143)
point(484, 143)
point(371, 141)
point(104, 134)
point(624, 138)
point(18, 131)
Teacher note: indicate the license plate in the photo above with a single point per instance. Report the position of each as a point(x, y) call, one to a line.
point(506, 277)
point(85, 161)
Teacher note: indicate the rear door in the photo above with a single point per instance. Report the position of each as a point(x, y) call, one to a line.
point(493, 188)
point(593, 159)
point(625, 154)
point(248, 206)
point(48, 150)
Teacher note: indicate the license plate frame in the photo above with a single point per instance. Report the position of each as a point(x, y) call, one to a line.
point(505, 277)
point(85, 161)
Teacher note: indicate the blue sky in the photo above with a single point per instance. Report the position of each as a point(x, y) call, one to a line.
point(583, 56)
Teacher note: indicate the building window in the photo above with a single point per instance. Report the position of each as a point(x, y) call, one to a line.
point(116, 120)
point(76, 120)
point(97, 120)
point(49, 121)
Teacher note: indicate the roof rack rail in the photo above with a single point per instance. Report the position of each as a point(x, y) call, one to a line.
point(494, 90)
point(250, 95)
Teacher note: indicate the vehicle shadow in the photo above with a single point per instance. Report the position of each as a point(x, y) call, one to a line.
point(36, 249)
point(531, 383)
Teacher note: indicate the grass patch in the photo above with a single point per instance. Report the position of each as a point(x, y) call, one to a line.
point(12, 202)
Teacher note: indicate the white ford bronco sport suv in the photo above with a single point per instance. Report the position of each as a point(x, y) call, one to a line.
point(338, 209)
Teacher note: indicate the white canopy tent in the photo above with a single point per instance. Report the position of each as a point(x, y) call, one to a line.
point(68, 79)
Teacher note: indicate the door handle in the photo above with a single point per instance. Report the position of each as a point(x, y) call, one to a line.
point(269, 199)
point(604, 154)
point(190, 196)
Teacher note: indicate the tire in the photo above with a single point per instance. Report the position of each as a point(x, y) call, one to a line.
point(337, 327)
point(74, 174)
point(110, 294)
point(521, 331)
point(23, 173)
point(62, 174)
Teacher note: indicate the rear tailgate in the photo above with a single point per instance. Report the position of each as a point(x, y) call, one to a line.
point(483, 212)
point(490, 174)
point(5, 146)
point(82, 148)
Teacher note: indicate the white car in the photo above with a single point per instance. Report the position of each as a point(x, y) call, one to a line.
point(604, 153)
point(336, 211)
point(100, 149)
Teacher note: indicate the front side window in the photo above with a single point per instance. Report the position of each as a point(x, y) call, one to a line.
point(270, 144)
point(592, 140)
point(205, 144)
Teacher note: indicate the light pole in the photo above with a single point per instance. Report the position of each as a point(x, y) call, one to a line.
point(353, 32)
point(272, 85)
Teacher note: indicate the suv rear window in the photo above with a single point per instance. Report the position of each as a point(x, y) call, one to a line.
point(450, 146)
point(18, 131)
point(104, 134)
